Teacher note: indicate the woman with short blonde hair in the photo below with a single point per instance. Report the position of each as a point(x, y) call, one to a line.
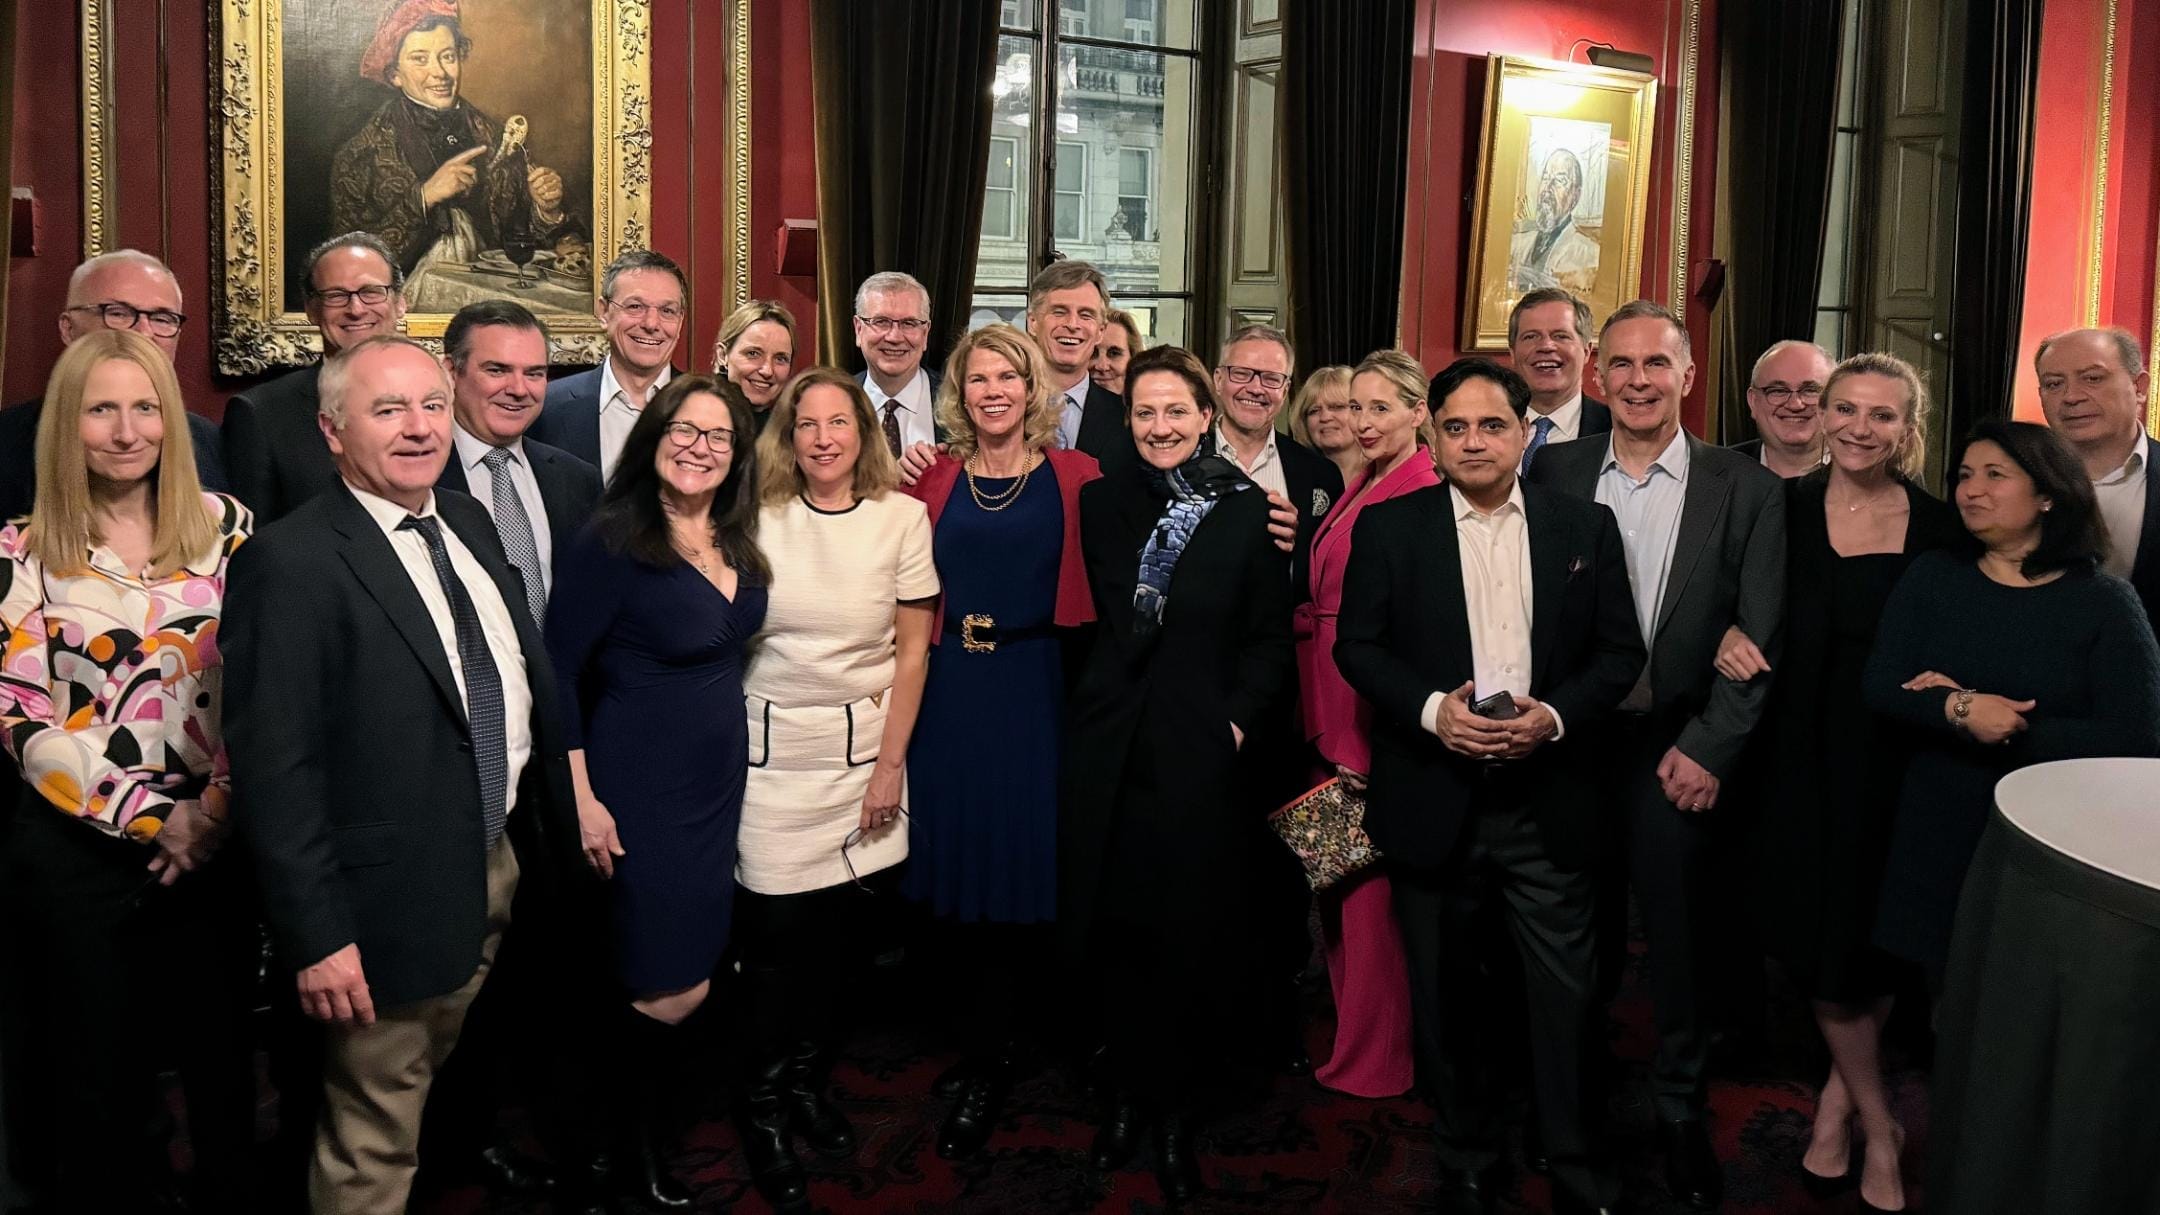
point(1319, 418)
point(755, 351)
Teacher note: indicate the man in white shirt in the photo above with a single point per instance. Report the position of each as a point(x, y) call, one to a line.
point(892, 330)
point(641, 307)
point(2094, 387)
point(1487, 594)
point(1784, 397)
point(1704, 532)
point(1549, 340)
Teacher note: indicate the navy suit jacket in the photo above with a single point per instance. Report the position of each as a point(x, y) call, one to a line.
point(275, 445)
point(1596, 418)
point(570, 417)
point(1103, 432)
point(18, 456)
point(569, 489)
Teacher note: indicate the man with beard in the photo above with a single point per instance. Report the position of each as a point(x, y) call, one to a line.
point(429, 173)
point(1784, 397)
point(1555, 253)
point(1549, 337)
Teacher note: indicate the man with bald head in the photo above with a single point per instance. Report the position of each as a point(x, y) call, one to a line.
point(125, 289)
point(397, 763)
point(355, 291)
point(2094, 389)
point(1784, 397)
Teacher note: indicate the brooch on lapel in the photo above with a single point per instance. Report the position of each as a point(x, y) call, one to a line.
point(1320, 501)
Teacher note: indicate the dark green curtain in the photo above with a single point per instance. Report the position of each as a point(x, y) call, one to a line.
point(1782, 107)
point(1344, 124)
point(2002, 74)
point(903, 147)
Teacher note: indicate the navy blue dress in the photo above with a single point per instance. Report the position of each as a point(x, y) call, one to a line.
point(983, 764)
point(650, 666)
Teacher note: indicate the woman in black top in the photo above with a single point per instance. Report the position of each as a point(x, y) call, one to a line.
point(1825, 770)
point(2024, 655)
point(1157, 859)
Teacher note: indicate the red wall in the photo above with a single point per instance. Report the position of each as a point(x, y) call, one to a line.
point(166, 209)
point(2133, 215)
point(1447, 102)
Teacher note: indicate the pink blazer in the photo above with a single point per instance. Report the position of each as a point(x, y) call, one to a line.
point(1337, 720)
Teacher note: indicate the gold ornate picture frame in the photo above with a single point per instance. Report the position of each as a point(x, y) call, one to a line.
point(258, 326)
point(1563, 189)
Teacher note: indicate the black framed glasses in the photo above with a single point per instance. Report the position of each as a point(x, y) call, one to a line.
point(1778, 394)
point(374, 295)
point(1274, 381)
point(683, 434)
point(163, 322)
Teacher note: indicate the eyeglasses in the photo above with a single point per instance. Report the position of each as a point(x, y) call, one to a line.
point(854, 837)
point(163, 322)
point(1778, 394)
point(638, 310)
point(1270, 380)
point(373, 295)
point(683, 434)
point(881, 325)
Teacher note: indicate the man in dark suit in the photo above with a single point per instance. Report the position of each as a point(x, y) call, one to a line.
point(1549, 340)
point(397, 763)
point(2094, 386)
point(1784, 398)
point(1704, 530)
point(1068, 305)
point(125, 289)
point(1478, 589)
point(354, 292)
point(641, 304)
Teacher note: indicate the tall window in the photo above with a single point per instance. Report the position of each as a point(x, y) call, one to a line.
point(1840, 280)
point(1094, 143)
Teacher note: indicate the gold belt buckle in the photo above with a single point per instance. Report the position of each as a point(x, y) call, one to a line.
point(968, 625)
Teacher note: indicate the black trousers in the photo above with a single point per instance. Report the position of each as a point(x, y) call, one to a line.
point(113, 977)
point(1548, 911)
point(1664, 854)
point(800, 955)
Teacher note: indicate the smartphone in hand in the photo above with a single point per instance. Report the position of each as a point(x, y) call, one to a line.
point(1500, 706)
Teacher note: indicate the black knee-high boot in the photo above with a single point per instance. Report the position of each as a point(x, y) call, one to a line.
point(654, 1051)
point(817, 1120)
point(762, 1124)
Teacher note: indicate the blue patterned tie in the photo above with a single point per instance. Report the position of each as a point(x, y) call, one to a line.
point(483, 683)
point(1543, 426)
point(516, 529)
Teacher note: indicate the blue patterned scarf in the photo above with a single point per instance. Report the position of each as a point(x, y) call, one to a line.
point(1192, 489)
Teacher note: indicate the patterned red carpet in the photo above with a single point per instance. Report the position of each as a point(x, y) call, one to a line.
point(1302, 1149)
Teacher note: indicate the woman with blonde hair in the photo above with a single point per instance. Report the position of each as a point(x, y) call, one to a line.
point(1389, 426)
point(135, 942)
point(1120, 341)
point(1825, 770)
point(832, 689)
point(755, 351)
point(983, 826)
point(1320, 419)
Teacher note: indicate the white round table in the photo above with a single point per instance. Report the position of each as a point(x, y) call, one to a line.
point(2046, 1091)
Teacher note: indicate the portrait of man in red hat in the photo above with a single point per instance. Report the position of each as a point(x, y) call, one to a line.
point(451, 188)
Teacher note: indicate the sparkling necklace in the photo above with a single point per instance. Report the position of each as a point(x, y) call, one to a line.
point(997, 501)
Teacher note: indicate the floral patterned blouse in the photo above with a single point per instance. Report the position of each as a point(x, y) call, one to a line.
point(110, 683)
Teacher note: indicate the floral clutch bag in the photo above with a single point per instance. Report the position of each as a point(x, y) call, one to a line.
point(1326, 829)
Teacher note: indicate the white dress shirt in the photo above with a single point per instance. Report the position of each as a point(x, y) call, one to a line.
point(1495, 553)
point(618, 414)
point(1070, 413)
point(1566, 421)
point(2122, 507)
point(495, 621)
point(1649, 514)
point(1266, 470)
point(918, 424)
point(480, 482)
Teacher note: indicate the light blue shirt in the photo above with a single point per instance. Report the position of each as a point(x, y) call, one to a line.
point(1068, 427)
point(1649, 515)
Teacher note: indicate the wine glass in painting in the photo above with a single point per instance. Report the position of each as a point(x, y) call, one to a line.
point(518, 246)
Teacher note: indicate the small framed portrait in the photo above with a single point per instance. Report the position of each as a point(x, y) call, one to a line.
point(1563, 186)
point(499, 147)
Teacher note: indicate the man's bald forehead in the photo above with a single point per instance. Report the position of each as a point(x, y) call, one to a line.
point(144, 283)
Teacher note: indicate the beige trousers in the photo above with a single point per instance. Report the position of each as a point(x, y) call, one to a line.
point(376, 1078)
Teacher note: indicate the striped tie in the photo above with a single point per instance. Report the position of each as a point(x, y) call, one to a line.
point(483, 683)
point(515, 528)
point(1544, 432)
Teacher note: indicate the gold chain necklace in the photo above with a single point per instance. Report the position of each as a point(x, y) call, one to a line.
point(997, 501)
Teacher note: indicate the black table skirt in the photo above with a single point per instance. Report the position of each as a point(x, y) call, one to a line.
point(2047, 1077)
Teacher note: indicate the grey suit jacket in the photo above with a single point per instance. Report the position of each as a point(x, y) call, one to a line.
point(1728, 568)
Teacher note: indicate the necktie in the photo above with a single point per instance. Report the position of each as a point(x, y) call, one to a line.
point(892, 425)
point(483, 684)
point(1543, 426)
point(515, 528)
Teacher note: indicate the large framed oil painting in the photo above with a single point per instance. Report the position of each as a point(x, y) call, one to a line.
point(501, 148)
point(1563, 186)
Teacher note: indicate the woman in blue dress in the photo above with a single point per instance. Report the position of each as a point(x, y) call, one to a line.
point(982, 838)
point(652, 605)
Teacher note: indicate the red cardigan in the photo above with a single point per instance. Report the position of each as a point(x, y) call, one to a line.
point(1072, 469)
